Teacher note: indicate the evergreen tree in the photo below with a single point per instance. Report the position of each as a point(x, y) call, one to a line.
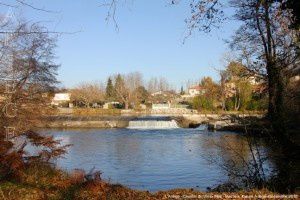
point(181, 91)
point(109, 89)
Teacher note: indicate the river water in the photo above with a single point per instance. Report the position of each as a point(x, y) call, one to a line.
point(154, 159)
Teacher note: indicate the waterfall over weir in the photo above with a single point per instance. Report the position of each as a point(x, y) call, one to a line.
point(153, 124)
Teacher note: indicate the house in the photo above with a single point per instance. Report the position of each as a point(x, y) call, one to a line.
point(194, 91)
point(113, 104)
point(61, 98)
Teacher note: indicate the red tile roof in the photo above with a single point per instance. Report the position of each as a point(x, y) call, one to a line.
point(196, 87)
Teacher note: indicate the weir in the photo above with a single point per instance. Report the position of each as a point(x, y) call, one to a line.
point(153, 124)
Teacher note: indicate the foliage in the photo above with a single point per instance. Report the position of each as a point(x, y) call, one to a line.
point(142, 94)
point(203, 103)
point(209, 97)
point(109, 92)
point(27, 66)
point(245, 93)
point(249, 101)
point(182, 91)
point(229, 104)
point(236, 70)
point(258, 103)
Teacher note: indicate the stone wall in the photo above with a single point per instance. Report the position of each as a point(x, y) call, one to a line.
point(184, 119)
point(86, 124)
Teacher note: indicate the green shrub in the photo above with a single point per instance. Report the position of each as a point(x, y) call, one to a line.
point(257, 103)
point(229, 104)
point(203, 103)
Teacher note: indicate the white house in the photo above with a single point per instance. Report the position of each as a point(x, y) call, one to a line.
point(61, 98)
point(194, 91)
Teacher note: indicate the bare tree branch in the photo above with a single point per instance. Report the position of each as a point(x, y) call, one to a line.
point(24, 3)
point(111, 13)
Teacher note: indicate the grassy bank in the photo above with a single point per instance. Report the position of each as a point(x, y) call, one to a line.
point(42, 181)
point(94, 111)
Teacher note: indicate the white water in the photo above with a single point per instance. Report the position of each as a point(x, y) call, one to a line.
point(153, 124)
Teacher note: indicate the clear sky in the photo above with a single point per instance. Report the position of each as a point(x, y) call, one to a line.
point(149, 40)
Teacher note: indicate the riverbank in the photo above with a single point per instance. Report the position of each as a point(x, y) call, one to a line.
point(42, 181)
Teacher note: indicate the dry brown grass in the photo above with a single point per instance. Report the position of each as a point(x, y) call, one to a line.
point(41, 181)
point(95, 111)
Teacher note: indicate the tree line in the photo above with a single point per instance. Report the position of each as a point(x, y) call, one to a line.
point(130, 90)
point(237, 90)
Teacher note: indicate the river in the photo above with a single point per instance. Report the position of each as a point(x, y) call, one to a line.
point(153, 160)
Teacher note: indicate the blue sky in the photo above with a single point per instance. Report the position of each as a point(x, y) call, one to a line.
point(149, 40)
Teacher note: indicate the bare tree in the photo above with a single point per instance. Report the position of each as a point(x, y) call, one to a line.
point(152, 85)
point(134, 81)
point(88, 93)
point(156, 84)
point(121, 90)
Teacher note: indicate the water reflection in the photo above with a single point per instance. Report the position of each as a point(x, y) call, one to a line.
point(153, 159)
